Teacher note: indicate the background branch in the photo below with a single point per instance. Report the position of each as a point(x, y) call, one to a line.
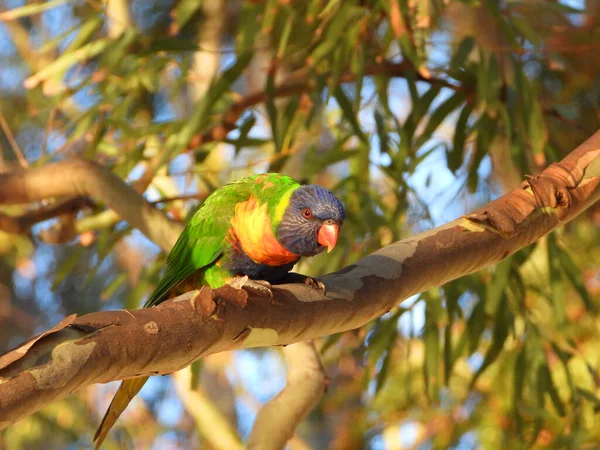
point(83, 178)
point(305, 384)
point(298, 83)
point(211, 423)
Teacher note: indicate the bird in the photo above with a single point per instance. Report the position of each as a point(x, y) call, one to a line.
point(254, 229)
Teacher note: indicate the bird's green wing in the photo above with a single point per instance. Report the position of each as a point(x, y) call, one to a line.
point(189, 255)
point(202, 242)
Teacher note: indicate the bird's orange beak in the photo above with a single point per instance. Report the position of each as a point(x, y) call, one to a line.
point(328, 235)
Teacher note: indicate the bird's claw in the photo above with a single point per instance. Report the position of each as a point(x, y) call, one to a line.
point(257, 287)
point(316, 284)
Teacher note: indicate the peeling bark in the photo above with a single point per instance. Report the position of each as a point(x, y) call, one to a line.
point(106, 346)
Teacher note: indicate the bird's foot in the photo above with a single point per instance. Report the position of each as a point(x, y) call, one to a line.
point(293, 277)
point(257, 287)
point(315, 283)
point(261, 288)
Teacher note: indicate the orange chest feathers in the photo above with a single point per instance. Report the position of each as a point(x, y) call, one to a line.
point(251, 231)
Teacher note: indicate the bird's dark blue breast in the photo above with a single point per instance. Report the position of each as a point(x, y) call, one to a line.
point(240, 264)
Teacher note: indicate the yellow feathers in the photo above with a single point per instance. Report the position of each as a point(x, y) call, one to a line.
point(252, 231)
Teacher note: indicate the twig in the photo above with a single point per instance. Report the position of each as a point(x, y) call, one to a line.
point(22, 224)
point(12, 141)
point(179, 197)
point(49, 124)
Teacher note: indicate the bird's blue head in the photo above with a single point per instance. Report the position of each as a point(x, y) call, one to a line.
point(311, 221)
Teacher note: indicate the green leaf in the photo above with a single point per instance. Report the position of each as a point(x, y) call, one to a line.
point(506, 119)
point(474, 329)
point(525, 29)
point(502, 324)
point(575, 277)
point(168, 44)
point(358, 68)
point(285, 36)
point(486, 131)
point(316, 160)
point(383, 332)
point(482, 79)
point(381, 84)
point(382, 373)
point(248, 30)
point(184, 10)
point(462, 53)
point(438, 116)
point(335, 32)
point(420, 108)
point(590, 397)
point(199, 118)
point(330, 341)
point(384, 140)
point(272, 110)
point(112, 288)
point(431, 340)
point(346, 108)
point(455, 156)
point(544, 372)
point(556, 282)
point(452, 296)
point(538, 133)
point(496, 289)
point(86, 31)
point(30, 10)
point(495, 84)
point(105, 244)
point(380, 344)
point(519, 375)
point(66, 60)
point(67, 266)
point(196, 369)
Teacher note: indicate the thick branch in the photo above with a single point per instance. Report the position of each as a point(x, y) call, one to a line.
point(83, 178)
point(306, 382)
point(113, 345)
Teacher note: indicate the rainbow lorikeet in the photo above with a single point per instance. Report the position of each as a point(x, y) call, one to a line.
point(258, 227)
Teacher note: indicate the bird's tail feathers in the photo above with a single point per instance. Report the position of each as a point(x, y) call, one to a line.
point(127, 390)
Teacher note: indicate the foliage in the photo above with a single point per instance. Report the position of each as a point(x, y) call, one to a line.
point(412, 112)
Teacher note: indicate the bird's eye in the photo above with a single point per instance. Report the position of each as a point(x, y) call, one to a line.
point(307, 213)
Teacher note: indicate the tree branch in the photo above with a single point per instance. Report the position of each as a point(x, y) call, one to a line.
point(113, 345)
point(83, 178)
point(22, 224)
point(209, 420)
point(305, 385)
point(298, 84)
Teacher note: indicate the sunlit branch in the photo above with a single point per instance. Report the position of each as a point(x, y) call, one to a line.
point(113, 345)
point(83, 178)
